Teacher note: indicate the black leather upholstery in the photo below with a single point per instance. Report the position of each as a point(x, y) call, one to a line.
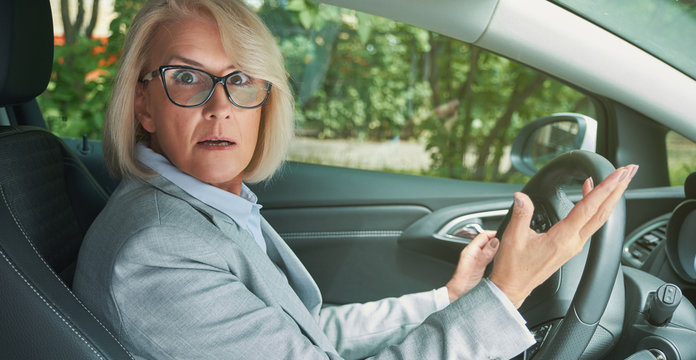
point(50, 192)
point(47, 201)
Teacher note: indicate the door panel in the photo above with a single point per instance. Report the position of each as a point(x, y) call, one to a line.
point(366, 235)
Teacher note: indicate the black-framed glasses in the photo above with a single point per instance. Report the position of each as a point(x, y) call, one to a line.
point(190, 87)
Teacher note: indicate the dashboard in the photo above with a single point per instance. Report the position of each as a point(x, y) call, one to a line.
point(666, 245)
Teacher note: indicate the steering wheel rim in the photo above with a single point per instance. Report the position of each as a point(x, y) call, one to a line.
point(570, 338)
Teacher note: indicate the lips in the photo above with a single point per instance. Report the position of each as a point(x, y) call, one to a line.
point(216, 143)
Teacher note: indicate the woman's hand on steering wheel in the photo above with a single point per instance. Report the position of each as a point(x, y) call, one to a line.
point(526, 258)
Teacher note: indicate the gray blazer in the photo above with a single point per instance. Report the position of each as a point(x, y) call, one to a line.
point(177, 279)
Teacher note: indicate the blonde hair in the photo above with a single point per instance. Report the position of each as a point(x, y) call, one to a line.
point(255, 51)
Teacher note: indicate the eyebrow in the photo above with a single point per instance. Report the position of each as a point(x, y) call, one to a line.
point(193, 62)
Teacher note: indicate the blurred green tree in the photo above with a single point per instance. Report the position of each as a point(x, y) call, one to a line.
point(78, 93)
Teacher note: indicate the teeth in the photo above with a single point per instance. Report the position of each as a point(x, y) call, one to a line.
point(216, 143)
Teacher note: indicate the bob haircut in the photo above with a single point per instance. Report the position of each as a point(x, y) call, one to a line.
point(255, 51)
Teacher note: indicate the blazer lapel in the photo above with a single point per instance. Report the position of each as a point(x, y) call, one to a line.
point(298, 276)
point(296, 302)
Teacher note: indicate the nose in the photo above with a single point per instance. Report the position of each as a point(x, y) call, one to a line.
point(218, 106)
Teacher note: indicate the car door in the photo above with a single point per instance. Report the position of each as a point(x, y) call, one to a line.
point(365, 235)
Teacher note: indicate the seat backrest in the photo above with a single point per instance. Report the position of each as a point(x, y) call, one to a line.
point(47, 201)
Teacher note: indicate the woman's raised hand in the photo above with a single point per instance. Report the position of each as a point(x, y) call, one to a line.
point(525, 258)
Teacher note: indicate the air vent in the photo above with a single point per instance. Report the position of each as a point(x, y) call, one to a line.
point(644, 240)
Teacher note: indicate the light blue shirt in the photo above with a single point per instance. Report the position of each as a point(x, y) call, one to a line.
point(243, 209)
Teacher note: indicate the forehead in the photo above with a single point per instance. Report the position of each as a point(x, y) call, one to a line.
point(192, 38)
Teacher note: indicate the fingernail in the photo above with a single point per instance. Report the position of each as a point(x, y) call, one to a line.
point(624, 173)
point(591, 182)
point(633, 171)
point(518, 202)
point(493, 243)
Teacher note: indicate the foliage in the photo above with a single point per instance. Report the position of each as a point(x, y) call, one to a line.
point(70, 95)
point(75, 101)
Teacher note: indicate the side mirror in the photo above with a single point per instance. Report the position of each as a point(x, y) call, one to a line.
point(543, 139)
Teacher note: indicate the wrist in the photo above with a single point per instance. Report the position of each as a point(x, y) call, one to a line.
point(451, 294)
point(516, 297)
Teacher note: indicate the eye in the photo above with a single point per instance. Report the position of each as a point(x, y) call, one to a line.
point(186, 77)
point(240, 79)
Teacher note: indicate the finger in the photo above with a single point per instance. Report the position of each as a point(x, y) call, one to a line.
point(586, 208)
point(520, 218)
point(607, 207)
point(587, 186)
point(481, 240)
point(490, 249)
point(590, 213)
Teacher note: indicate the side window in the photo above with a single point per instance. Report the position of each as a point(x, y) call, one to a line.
point(681, 158)
point(376, 94)
point(370, 93)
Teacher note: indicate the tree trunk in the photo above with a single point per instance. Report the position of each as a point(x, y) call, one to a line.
point(431, 68)
point(466, 92)
point(72, 29)
point(89, 31)
point(516, 100)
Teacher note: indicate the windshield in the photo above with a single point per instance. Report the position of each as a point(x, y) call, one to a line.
point(664, 28)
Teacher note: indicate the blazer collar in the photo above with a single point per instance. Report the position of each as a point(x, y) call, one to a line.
point(298, 295)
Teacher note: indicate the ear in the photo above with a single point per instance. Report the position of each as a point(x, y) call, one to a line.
point(142, 108)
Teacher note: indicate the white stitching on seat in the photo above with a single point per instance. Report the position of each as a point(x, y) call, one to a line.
point(19, 225)
point(9, 262)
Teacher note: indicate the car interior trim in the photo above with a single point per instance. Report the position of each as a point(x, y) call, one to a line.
point(642, 242)
point(446, 233)
point(341, 234)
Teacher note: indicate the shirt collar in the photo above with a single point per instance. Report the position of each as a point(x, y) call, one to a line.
point(239, 208)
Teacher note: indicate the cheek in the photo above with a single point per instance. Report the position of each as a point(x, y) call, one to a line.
point(251, 126)
point(152, 110)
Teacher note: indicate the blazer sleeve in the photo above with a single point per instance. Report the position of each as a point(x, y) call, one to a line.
point(176, 297)
point(362, 330)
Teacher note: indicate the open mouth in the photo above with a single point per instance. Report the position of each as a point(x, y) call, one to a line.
point(213, 142)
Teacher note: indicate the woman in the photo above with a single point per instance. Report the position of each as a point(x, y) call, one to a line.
point(180, 264)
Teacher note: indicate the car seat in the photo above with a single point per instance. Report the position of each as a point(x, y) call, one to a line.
point(47, 201)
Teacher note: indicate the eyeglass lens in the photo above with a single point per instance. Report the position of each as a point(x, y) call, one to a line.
point(190, 87)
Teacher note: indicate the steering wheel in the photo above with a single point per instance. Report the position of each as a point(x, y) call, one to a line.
point(569, 339)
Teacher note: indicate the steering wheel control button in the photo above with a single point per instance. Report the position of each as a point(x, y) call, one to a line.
point(662, 304)
point(540, 222)
point(540, 333)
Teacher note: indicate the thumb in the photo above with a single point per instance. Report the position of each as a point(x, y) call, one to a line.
point(521, 216)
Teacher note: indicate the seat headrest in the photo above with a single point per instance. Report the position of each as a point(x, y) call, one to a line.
point(26, 49)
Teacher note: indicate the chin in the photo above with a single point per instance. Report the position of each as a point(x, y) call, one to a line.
point(217, 179)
